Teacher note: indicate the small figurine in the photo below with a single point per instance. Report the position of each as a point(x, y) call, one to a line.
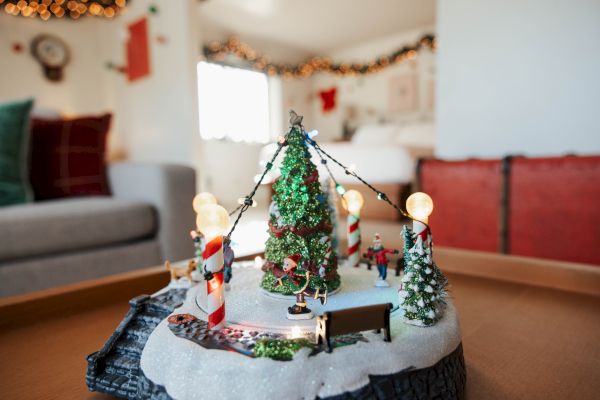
point(300, 279)
point(180, 271)
point(380, 253)
point(228, 256)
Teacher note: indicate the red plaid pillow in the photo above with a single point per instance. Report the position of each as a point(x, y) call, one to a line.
point(68, 157)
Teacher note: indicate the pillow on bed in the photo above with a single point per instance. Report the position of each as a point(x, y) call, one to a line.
point(375, 134)
point(421, 135)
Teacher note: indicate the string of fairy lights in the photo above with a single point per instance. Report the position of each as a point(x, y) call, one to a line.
point(349, 171)
point(248, 201)
point(219, 51)
point(46, 9)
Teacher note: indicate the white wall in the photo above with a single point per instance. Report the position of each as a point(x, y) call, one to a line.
point(82, 90)
point(518, 76)
point(155, 118)
point(370, 94)
point(157, 114)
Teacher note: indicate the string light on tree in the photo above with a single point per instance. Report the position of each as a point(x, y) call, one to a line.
point(213, 221)
point(242, 201)
point(353, 202)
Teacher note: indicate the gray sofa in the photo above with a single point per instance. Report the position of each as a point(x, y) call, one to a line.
point(144, 222)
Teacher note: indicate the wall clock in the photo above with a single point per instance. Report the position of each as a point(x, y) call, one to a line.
point(52, 53)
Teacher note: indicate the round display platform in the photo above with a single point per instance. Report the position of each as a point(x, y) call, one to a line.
point(418, 362)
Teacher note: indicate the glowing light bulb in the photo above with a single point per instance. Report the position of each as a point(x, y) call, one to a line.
point(296, 332)
point(420, 206)
point(201, 199)
point(258, 262)
point(212, 220)
point(353, 201)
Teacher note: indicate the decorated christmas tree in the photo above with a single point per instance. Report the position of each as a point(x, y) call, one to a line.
point(423, 284)
point(300, 245)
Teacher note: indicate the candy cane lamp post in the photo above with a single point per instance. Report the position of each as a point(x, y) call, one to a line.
point(420, 206)
point(353, 202)
point(212, 221)
point(199, 241)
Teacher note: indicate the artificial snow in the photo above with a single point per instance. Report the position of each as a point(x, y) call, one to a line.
point(190, 371)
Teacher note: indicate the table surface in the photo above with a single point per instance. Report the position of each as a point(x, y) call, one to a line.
point(520, 341)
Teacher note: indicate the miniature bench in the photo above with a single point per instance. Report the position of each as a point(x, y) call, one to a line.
point(351, 320)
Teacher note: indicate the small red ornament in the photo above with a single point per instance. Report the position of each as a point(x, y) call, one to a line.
point(328, 99)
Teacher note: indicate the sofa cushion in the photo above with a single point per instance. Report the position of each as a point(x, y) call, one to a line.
point(64, 225)
point(14, 141)
point(68, 157)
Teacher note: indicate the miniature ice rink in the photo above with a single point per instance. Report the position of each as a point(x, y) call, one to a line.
point(250, 306)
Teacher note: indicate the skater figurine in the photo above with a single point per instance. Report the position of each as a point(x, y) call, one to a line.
point(380, 253)
point(299, 279)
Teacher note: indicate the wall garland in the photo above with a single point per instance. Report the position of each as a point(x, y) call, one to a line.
point(73, 9)
point(219, 51)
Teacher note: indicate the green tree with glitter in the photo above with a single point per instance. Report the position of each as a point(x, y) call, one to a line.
point(299, 223)
point(423, 284)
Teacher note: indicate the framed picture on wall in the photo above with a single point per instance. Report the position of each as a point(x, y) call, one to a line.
point(404, 93)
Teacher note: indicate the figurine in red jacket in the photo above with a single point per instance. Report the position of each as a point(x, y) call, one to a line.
point(380, 253)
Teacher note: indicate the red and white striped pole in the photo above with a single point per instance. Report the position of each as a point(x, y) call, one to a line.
point(353, 202)
point(326, 257)
point(212, 221)
point(353, 240)
point(215, 298)
point(420, 229)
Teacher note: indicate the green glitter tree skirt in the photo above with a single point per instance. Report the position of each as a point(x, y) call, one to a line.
point(269, 283)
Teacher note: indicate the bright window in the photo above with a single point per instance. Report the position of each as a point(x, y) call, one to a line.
point(233, 103)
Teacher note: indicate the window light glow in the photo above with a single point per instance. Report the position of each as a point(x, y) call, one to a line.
point(233, 103)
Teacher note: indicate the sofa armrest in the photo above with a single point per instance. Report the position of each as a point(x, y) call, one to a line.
point(170, 189)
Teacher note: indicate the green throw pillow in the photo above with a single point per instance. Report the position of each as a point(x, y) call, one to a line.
point(14, 142)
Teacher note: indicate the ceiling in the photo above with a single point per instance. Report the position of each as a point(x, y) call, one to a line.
point(317, 26)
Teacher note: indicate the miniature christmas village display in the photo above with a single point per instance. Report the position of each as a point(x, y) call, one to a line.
point(304, 312)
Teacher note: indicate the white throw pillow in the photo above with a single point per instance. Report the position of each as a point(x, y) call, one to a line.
point(375, 134)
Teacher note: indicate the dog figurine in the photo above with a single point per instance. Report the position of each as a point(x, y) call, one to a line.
point(180, 272)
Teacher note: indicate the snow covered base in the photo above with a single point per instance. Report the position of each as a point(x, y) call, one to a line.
point(189, 371)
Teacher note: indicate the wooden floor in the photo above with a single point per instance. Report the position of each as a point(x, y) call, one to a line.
point(520, 342)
